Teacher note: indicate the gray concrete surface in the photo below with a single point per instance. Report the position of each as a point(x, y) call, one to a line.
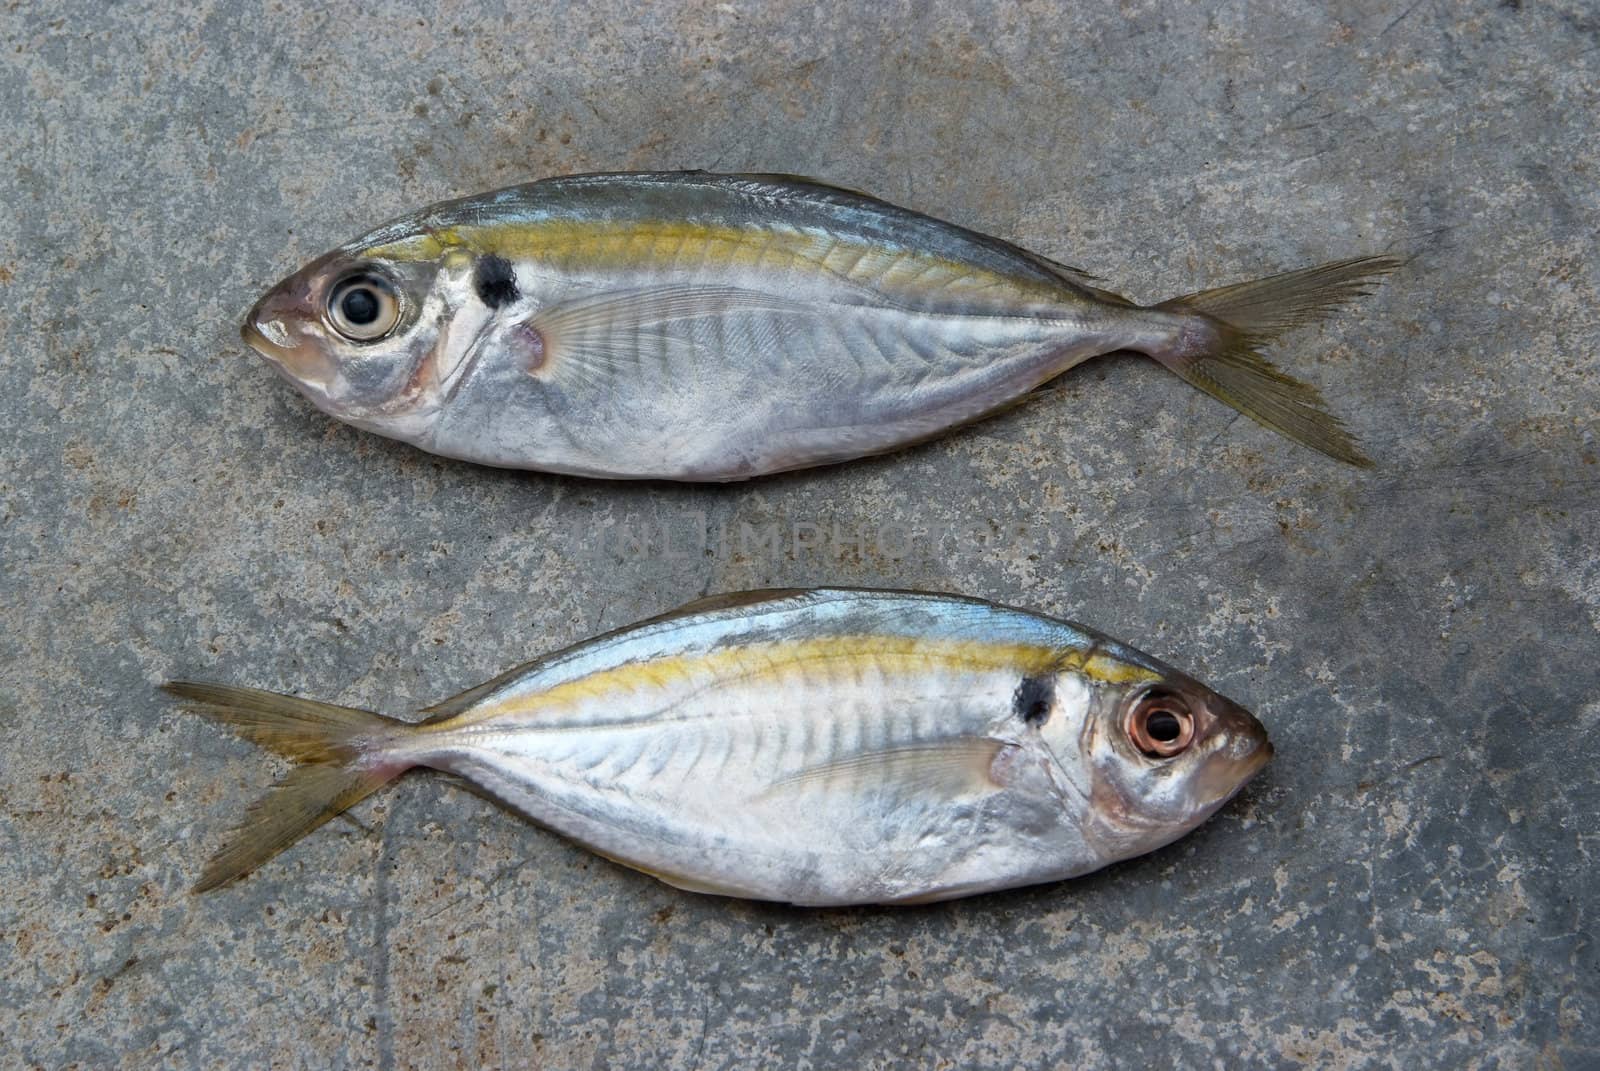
point(1410, 884)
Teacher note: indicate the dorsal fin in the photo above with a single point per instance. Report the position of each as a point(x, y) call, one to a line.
point(456, 704)
point(731, 600)
point(789, 178)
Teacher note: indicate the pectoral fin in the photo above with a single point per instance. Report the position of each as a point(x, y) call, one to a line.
point(943, 770)
point(594, 339)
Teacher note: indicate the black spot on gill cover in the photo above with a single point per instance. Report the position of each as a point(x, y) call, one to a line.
point(495, 281)
point(1033, 699)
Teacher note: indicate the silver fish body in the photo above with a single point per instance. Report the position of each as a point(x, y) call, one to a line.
point(691, 326)
point(815, 747)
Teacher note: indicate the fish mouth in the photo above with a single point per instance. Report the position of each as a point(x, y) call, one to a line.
point(257, 340)
point(1244, 750)
point(1257, 760)
point(272, 332)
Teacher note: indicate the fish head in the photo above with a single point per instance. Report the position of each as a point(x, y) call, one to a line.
point(365, 330)
point(1158, 751)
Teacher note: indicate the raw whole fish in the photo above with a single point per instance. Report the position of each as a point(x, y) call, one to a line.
point(692, 326)
point(819, 747)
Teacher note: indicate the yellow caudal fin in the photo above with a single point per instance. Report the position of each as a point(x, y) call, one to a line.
point(1218, 349)
point(343, 759)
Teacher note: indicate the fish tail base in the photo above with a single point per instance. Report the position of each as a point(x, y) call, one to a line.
point(344, 755)
point(1217, 347)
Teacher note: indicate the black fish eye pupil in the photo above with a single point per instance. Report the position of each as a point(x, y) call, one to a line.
point(359, 305)
point(1163, 725)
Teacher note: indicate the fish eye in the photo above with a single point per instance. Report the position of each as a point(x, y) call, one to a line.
point(363, 307)
point(1160, 725)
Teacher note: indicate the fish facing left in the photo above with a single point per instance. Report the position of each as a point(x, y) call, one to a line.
point(818, 747)
point(691, 326)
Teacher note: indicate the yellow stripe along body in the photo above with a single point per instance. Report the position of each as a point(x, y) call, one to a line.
point(596, 248)
point(765, 664)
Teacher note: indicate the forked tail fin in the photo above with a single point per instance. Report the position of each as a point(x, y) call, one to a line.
point(343, 757)
point(1218, 349)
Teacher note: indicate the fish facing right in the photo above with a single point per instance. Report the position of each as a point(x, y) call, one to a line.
point(818, 747)
point(695, 326)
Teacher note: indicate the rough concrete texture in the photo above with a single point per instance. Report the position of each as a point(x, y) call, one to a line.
point(1410, 883)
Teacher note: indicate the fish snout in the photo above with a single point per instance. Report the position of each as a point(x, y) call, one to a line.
point(1239, 748)
point(279, 328)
